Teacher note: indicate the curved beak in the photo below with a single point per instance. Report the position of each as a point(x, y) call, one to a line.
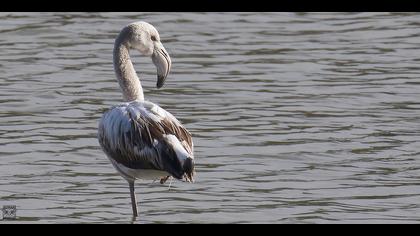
point(162, 62)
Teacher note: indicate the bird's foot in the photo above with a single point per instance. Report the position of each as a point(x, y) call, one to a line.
point(164, 179)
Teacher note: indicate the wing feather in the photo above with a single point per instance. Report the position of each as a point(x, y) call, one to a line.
point(135, 135)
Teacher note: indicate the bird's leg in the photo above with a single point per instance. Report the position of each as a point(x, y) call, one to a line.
point(133, 198)
point(170, 183)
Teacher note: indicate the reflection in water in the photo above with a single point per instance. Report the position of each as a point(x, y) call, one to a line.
point(296, 118)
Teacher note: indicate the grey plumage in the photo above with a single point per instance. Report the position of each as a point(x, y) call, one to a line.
point(135, 134)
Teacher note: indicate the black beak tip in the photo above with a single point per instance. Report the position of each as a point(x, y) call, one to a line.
point(160, 82)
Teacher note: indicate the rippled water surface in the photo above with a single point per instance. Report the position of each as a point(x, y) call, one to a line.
point(296, 117)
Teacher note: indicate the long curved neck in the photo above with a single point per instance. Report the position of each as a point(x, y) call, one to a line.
point(124, 70)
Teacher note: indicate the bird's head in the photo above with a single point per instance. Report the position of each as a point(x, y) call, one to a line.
point(145, 38)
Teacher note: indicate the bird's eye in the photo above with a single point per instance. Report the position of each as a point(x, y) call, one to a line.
point(153, 38)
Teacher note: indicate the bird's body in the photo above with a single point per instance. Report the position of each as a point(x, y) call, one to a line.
point(141, 139)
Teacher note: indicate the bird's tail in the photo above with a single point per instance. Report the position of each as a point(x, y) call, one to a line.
point(185, 158)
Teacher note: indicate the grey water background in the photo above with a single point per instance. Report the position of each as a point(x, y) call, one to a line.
point(296, 117)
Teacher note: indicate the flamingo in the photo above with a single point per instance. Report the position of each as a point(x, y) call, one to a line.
point(141, 139)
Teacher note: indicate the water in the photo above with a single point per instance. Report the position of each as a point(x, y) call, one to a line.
point(296, 117)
